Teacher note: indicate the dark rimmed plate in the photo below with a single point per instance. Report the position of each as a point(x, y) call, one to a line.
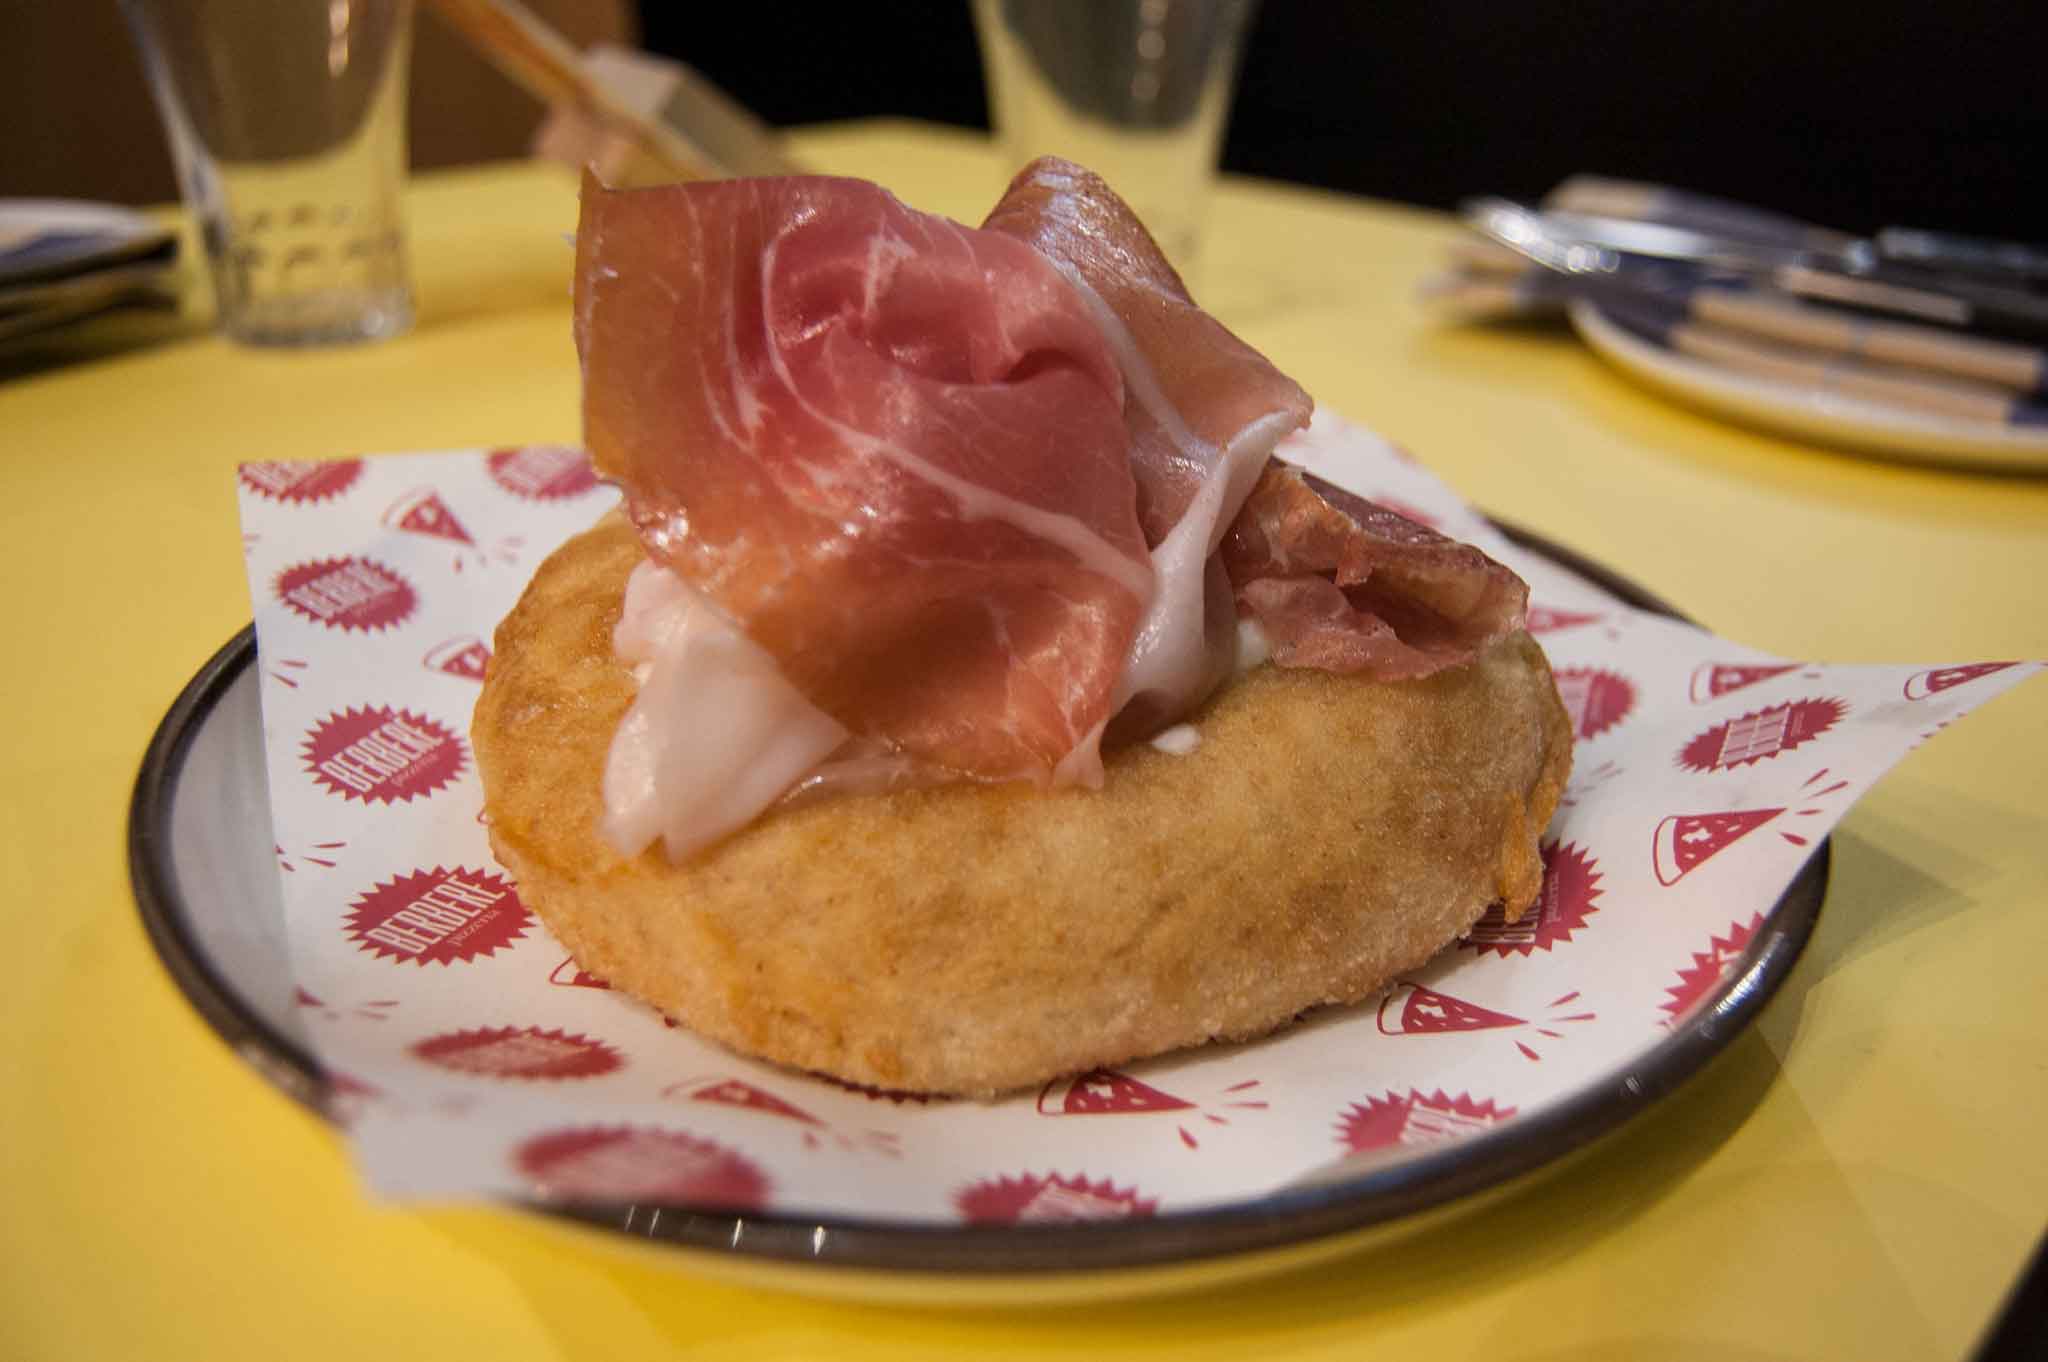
point(206, 882)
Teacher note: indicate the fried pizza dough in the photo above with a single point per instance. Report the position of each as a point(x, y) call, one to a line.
point(1327, 834)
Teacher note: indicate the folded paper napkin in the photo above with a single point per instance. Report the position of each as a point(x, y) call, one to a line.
point(469, 1056)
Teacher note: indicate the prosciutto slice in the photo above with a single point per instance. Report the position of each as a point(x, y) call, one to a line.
point(1203, 410)
point(1342, 584)
point(889, 449)
point(925, 502)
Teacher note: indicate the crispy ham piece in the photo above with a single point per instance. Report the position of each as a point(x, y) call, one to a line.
point(964, 498)
point(1342, 584)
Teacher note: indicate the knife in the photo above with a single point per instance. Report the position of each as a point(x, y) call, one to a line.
point(2009, 262)
point(1850, 276)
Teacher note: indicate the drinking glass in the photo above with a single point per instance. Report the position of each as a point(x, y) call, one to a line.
point(287, 123)
point(1138, 91)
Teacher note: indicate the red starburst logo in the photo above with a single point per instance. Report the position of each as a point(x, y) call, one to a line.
point(1415, 1118)
point(1571, 883)
point(298, 483)
point(1920, 685)
point(541, 472)
point(1596, 699)
point(1048, 1199)
point(519, 1052)
point(1761, 734)
point(625, 1163)
point(382, 755)
point(1709, 967)
point(347, 593)
point(437, 916)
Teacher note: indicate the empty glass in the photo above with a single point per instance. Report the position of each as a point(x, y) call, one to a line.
point(1138, 91)
point(287, 123)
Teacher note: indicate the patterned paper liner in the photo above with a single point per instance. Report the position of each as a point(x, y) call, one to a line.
point(473, 1058)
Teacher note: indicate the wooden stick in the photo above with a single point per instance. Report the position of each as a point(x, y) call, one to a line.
point(538, 58)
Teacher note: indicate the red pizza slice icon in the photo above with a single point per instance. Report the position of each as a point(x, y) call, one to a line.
point(1104, 1092)
point(465, 656)
point(1712, 679)
point(1683, 840)
point(735, 1092)
point(1920, 685)
point(421, 511)
point(569, 974)
point(1412, 1010)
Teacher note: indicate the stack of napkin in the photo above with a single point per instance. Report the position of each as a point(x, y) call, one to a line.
point(61, 260)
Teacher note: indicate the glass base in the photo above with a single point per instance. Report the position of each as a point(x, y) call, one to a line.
point(332, 318)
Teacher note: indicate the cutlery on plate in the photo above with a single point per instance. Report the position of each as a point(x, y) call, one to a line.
point(1947, 252)
point(1593, 245)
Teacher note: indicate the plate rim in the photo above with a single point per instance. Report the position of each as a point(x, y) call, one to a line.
point(1785, 409)
point(1289, 1217)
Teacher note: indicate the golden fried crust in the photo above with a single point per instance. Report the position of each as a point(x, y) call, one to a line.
point(1328, 834)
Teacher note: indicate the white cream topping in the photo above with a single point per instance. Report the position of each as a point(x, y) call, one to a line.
point(1178, 741)
point(1169, 655)
point(1253, 647)
point(716, 733)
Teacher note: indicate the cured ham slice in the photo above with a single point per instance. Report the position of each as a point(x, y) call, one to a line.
point(1204, 411)
point(1333, 580)
point(889, 449)
point(924, 502)
point(1339, 583)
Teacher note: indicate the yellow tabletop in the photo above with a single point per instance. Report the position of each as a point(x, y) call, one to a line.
point(1857, 1177)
